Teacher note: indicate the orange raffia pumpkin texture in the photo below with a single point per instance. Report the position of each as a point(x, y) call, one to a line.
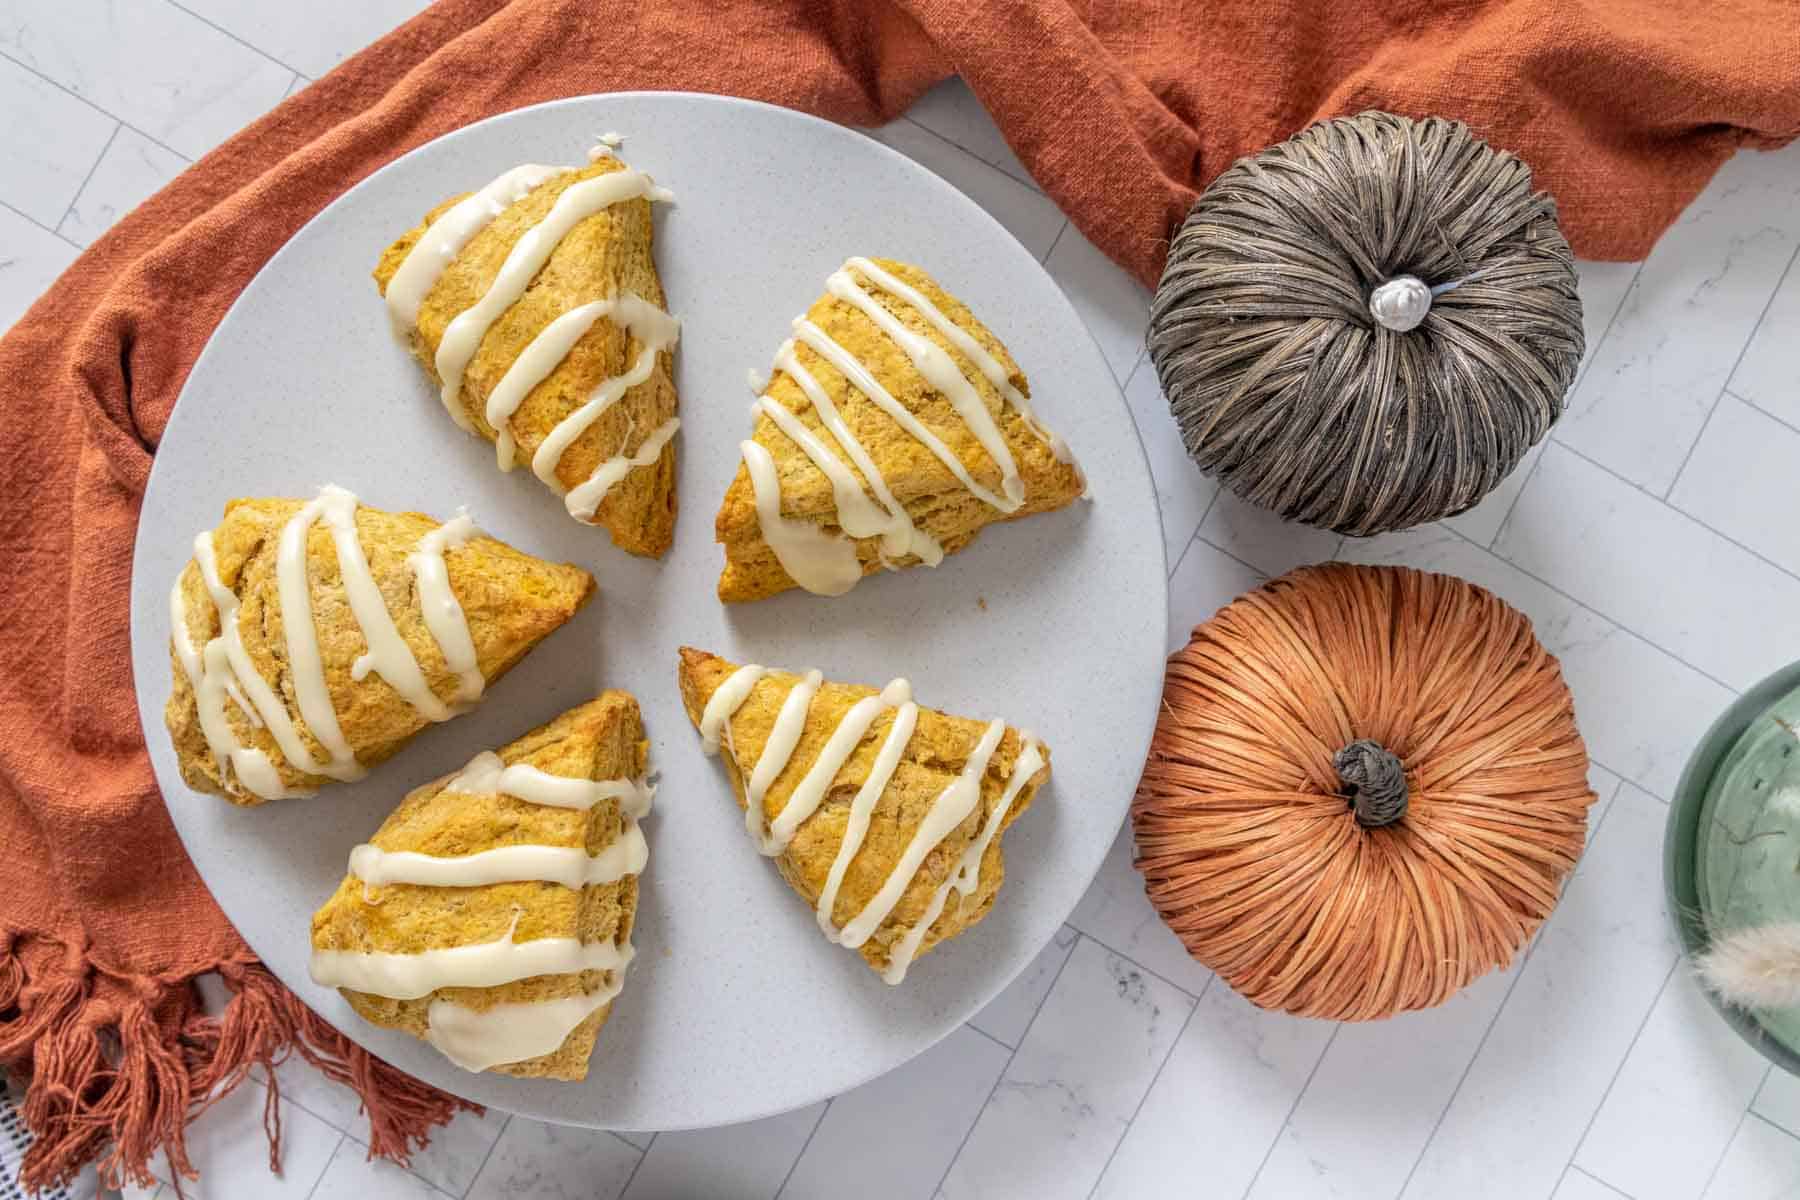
point(1273, 867)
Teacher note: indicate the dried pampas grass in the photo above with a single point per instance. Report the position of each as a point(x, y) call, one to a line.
point(1755, 968)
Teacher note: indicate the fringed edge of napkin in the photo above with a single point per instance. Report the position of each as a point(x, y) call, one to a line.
point(116, 1064)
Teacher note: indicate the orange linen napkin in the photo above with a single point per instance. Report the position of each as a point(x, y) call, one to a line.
point(1121, 111)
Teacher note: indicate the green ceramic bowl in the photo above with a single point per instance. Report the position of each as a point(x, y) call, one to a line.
point(1732, 851)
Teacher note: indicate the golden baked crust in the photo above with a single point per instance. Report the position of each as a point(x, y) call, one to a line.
point(510, 599)
point(931, 494)
point(935, 755)
point(603, 739)
point(607, 254)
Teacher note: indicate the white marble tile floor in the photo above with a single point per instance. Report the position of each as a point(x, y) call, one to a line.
point(1651, 539)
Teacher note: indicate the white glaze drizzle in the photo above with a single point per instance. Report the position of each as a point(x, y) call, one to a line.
point(809, 793)
point(445, 238)
point(229, 672)
point(486, 775)
point(438, 604)
point(951, 808)
point(571, 866)
point(512, 1031)
point(306, 668)
point(485, 964)
point(948, 810)
point(777, 750)
point(941, 372)
point(823, 563)
point(387, 653)
point(967, 874)
point(463, 336)
point(655, 331)
point(856, 515)
point(186, 652)
point(726, 699)
point(534, 364)
point(863, 381)
point(225, 668)
point(253, 768)
point(585, 498)
point(862, 807)
point(970, 349)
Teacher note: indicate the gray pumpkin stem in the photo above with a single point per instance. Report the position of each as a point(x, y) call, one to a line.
point(1374, 780)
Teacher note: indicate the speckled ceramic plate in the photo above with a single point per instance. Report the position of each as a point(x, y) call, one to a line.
point(736, 1007)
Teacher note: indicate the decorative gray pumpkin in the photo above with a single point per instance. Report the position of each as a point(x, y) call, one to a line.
point(1365, 327)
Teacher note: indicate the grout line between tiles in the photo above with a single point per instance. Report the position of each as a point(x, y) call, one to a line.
point(1137, 363)
point(1575, 1170)
point(179, 7)
point(87, 179)
point(1200, 537)
point(810, 1135)
point(971, 1026)
point(1593, 351)
point(1581, 374)
point(262, 1076)
point(1182, 557)
point(1007, 1065)
point(1760, 318)
point(1738, 1128)
point(1675, 482)
point(24, 216)
point(1028, 181)
point(1054, 243)
point(335, 1147)
point(1500, 529)
point(1617, 624)
point(1755, 407)
point(1737, 362)
point(643, 1156)
point(1624, 1058)
point(1776, 1126)
point(1524, 963)
point(1136, 965)
point(1142, 1100)
point(1292, 1109)
point(504, 1126)
point(622, 1138)
point(68, 91)
point(1664, 501)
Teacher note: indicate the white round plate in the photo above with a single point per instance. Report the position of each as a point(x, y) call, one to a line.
point(735, 1008)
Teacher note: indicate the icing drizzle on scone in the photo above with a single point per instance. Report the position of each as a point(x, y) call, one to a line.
point(478, 1038)
point(222, 671)
point(655, 330)
point(949, 809)
point(827, 569)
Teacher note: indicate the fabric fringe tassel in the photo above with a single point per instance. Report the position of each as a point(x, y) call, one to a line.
point(117, 1064)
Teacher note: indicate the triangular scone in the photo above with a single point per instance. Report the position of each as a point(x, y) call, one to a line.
point(409, 621)
point(535, 307)
point(885, 817)
point(491, 914)
point(893, 428)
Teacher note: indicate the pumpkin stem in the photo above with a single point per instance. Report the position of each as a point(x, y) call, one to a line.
point(1374, 781)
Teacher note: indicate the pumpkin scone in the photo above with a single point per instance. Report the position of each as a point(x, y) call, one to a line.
point(491, 914)
point(885, 817)
point(310, 639)
point(894, 428)
point(535, 307)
